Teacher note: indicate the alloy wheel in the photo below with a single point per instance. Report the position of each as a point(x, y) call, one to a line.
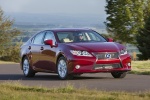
point(27, 70)
point(62, 68)
point(25, 67)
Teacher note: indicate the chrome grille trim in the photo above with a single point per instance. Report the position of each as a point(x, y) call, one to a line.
point(102, 55)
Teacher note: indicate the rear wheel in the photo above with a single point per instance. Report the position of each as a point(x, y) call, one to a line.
point(62, 69)
point(27, 70)
point(118, 74)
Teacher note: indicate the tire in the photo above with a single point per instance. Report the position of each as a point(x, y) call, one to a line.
point(62, 69)
point(118, 74)
point(27, 70)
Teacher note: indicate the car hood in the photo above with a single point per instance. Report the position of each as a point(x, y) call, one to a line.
point(97, 47)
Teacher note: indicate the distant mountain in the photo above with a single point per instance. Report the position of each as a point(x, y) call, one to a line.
point(63, 19)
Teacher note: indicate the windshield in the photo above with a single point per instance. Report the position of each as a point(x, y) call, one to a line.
point(80, 36)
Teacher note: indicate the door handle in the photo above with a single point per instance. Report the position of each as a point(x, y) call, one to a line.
point(42, 48)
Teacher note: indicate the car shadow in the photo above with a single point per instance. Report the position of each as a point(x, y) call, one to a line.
point(47, 77)
point(89, 77)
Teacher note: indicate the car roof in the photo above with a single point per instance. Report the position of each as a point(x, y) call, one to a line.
point(68, 29)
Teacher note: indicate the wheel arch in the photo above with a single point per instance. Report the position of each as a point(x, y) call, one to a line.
point(22, 60)
point(60, 55)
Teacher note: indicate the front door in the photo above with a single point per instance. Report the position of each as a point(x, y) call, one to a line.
point(35, 49)
point(48, 53)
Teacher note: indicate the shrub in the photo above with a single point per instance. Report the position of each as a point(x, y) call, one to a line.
point(11, 53)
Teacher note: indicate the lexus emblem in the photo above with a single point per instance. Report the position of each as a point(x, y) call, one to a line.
point(108, 55)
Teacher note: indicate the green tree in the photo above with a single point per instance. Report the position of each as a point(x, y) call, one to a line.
point(143, 37)
point(143, 41)
point(125, 17)
point(7, 34)
point(146, 9)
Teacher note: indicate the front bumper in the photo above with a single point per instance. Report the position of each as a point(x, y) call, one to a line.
point(94, 65)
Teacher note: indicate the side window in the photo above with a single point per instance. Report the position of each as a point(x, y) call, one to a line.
point(50, 35)
point(32, 40)
point(38, 39)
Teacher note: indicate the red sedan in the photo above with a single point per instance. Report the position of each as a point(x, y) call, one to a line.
point(70, 52)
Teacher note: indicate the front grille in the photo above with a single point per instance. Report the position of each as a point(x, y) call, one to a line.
point(107, 55)
point(107, 66)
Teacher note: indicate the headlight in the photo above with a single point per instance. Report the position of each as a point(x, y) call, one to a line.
point(123, 52)
point(80, 53)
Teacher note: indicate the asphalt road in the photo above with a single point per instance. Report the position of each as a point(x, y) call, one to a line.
point(99, 81)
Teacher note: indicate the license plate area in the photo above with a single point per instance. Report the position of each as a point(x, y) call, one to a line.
point(106, 66)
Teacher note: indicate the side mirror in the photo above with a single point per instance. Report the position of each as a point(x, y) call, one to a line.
point(50, 42)
point(110, 40)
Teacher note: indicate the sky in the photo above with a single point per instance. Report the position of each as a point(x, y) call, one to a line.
point(55, 11)
point(54, 6)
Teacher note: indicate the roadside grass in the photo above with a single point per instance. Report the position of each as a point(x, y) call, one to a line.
point(16, 91)
point(140, 67)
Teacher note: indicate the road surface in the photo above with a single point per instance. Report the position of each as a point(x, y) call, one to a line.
point(99, 81)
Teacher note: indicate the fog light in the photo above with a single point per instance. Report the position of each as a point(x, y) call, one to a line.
point(129, 64)
point(77, 66)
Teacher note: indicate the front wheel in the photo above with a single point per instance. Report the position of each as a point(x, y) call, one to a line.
point(27, 70)
point(118, 74)
point(62, 68)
